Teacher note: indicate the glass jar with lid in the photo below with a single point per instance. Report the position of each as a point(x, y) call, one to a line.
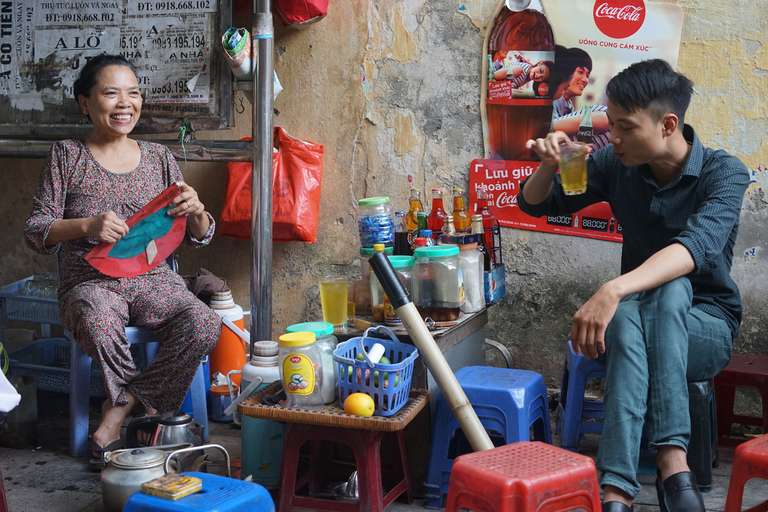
point(365, 256)
point(381, 308)
point(375, 222)
point(437, 282)
point(326, 343)
point(299, 370)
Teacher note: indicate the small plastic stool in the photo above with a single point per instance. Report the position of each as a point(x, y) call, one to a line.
point(3, 503)
point(366, 445)
point(522, 477)
point(219, 494)
point(744, 370)
point(507, 402)
point(750, 460)
point(574, 413)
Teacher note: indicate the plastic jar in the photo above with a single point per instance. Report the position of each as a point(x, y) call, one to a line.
point(326, 343)
point(471, 265)
point(375, 222)
point(437, 281)
point(300, 370)
point(365, 255)
point(381, 309)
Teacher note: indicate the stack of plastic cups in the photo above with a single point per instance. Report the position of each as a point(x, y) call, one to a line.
point(262, 440)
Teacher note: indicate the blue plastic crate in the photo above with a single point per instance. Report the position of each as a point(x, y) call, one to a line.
point(48, 361)
point(28, 309)
point(389, 394)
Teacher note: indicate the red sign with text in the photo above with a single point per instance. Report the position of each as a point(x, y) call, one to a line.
point(502, 179)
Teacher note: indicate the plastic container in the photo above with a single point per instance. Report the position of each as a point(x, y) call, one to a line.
point(375, 222)
point(388, 384)
point(437, 282)
point(381, 308)
point(262, 440)
point(365, 255)
point(230, 352)
point(471, 265)
point(326, 343)
point(300, 370)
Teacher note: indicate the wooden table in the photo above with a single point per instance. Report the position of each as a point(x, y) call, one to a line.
point(321, 429)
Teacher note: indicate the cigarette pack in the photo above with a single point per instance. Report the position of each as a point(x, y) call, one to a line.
point(172, 486)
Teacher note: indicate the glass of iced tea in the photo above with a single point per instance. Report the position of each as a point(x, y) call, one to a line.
point(333, 296)
point(573, 167)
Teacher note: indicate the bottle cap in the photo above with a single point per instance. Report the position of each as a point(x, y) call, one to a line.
point(420, 242)
point(266, 348)
point(400, 212)
point(401, 261)
point(425, 232)
point(368, 201)
point(297, 339)
point(477, 216)
point(379, 247)
point(319, 328)
point(436, 251)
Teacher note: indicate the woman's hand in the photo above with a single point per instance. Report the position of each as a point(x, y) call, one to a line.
point(187, 202)
point(106, 227)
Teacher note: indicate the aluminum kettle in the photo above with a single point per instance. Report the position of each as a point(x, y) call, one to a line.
point(173, 427)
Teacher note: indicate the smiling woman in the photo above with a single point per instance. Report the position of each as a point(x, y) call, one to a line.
point(87, 190)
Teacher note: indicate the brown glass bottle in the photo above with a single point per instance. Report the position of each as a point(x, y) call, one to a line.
point(482, 246)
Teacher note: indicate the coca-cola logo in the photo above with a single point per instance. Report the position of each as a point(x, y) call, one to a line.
point(506, 200)
point(619, 18)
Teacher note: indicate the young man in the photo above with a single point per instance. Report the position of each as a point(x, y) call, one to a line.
point(672, 314)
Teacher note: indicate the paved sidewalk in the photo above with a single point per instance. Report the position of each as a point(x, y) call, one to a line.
point(45, 478)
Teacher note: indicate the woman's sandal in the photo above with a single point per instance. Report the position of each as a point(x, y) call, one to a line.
point(97, 461)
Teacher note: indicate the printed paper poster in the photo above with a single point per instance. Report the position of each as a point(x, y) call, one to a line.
point(594, 40)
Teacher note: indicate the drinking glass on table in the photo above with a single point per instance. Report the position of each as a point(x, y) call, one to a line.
point(333, 297)
point(573, 167)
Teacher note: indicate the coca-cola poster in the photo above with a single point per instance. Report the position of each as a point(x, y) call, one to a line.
point(546, 66)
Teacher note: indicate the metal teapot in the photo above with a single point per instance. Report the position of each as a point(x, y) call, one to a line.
point(125, 471)
point(174, 427)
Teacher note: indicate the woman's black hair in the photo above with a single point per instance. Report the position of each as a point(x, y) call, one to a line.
point(90, 72)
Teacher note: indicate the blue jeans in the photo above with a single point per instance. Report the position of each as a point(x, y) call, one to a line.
point(655, 343)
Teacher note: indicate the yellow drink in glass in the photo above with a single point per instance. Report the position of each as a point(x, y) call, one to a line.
point(333, 297)
point(573, 168)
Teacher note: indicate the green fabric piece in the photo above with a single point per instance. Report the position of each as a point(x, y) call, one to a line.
point(147, 229)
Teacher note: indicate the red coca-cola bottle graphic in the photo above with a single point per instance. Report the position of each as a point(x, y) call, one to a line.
point(519, 107)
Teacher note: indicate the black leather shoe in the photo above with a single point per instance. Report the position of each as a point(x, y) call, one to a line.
point(616, 506)
point(679, 493)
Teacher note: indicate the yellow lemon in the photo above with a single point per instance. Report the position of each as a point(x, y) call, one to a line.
point(359, 404)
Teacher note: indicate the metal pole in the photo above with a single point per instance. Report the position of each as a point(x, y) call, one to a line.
point(261, 205)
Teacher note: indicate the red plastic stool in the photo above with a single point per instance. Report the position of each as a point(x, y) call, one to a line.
point(366, 445)
point(3, 503)
point(750, 460)
point(744, 370)
point(522, 477)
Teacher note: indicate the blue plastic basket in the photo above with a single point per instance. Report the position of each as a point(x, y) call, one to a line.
point(390, 392)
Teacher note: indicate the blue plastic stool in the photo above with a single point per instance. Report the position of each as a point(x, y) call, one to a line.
point(573, 412)
point(508, 403)
point(219, 494)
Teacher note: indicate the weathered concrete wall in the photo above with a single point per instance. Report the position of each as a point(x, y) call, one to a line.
point(392, 89)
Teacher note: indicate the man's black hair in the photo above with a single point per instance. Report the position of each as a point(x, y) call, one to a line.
point(651, 85)
point(90, 72)
point(579, 59)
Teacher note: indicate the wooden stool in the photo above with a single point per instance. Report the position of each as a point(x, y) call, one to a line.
point(323, 428)
point(750, 460)
point(744, 370)
point(521, 477)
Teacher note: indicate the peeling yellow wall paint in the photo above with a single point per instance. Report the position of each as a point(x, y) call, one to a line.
point(479, 11)
point(403, 48)
point(405, 140)
point(729, 107)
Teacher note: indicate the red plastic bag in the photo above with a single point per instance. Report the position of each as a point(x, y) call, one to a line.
point(293, 13)
point(297, 167)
